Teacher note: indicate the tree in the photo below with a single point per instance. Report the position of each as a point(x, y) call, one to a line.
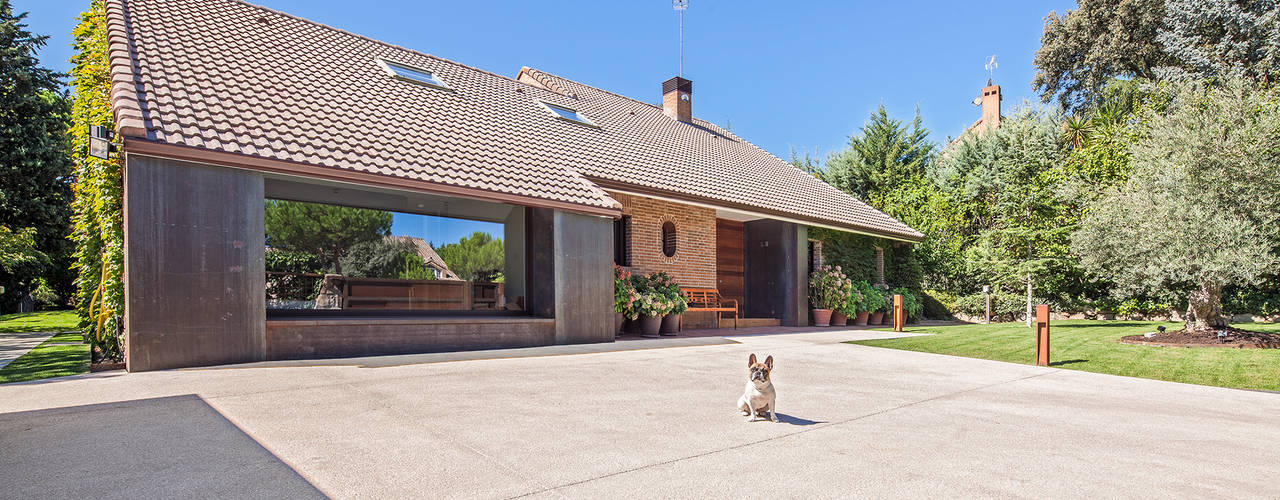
point(326, 231)
point(1199, 210)
point(35, 169)
point(478, 257)
point(881, 156)
point(1085, 48)
point(1214, 39)
point(18, 250)
point(1008, 179)
point(884, 165)
point(380, 258)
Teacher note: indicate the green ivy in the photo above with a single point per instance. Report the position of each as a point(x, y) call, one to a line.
point(99, 188)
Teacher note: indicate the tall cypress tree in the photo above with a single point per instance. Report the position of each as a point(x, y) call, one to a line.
point(35, 169)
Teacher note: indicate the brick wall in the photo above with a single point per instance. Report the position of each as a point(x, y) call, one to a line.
point(694, 263)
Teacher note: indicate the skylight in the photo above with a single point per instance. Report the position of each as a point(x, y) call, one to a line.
point(413, 74)
point(568, 114)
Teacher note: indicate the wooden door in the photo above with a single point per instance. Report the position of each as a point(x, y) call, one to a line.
point(729, 259)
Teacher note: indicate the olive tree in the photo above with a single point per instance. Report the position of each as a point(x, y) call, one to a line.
point(1200, 209)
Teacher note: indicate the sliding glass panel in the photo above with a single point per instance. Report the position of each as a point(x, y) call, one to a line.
point(340, 258)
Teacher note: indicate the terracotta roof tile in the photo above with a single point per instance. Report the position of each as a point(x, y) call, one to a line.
point(234, 77)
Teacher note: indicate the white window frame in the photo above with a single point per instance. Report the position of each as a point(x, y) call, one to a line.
point(582, 119)
point(387, 66)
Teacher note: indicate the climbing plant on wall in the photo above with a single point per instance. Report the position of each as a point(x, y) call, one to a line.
point(98, 220)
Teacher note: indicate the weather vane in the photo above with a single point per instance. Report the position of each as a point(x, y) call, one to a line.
point(991, 67)
point(680, 6)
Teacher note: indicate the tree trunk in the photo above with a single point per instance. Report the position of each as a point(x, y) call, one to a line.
point(1030, 307)
point(1204, 308)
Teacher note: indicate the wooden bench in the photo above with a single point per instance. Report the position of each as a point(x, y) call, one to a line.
point(709, 300)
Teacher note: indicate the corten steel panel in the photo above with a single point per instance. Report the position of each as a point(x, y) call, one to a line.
point(300, 338)
point(729, 259)
point(194, 275)
point(775, 285)
point(584, 278)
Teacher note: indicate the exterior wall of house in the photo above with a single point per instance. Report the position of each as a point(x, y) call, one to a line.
point(694, 264)
point(194, 268)
point(583, 278)
point(776, 271)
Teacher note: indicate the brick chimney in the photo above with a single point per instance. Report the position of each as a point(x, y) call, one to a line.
point(991, 106)
point(677, 99)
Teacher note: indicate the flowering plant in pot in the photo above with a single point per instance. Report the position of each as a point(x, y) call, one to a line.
point(848, 309)
point(651, 307)
point(870, 298)
point(679, 304)
point(666, 285)
point(878, 309)
point(624, 296)
point(827, 290)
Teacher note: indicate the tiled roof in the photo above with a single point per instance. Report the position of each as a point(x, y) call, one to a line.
point(228, 76)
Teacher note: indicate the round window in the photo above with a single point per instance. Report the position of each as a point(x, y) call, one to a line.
point(668, 239)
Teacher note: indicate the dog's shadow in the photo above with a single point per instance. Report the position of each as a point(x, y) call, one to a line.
point(793, 420)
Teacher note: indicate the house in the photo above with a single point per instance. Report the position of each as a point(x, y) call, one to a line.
point(221, 105)
point(429, 256)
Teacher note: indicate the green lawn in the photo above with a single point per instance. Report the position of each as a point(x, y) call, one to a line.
point(1091, 346)
point(47, 359)
point(43, 321)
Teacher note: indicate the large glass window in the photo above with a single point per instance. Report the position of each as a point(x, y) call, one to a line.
point(331, 257)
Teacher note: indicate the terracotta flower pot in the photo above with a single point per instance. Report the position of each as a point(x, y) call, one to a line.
point(821, 317)
point(838, 318)
point(877, 318)
point(888, 318)
point(861, 319)
point(670, 324)
point(650, 326)
point(618, 320)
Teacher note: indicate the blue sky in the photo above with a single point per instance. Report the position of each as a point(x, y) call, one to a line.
point(440, 231)
point(784, 75)
point(781, 74)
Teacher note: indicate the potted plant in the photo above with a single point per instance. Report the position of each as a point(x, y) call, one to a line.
point(850, 306)
point(878, 308)
point(624, 296)
point(824, 293)
point(870, 297)
point(651, 307)
point(679, 304)
point(842, 294)
point(663, 283)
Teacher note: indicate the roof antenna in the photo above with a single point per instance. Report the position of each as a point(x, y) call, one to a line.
point(991, 68)
point(680, 6)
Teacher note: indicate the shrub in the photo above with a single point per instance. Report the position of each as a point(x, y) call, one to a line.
point(937, 304)
point(1248, 300)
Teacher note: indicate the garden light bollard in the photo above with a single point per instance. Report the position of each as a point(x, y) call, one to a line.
point(1042, 335)
point(899, 316)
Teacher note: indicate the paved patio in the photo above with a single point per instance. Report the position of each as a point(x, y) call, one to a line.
point(586, 422)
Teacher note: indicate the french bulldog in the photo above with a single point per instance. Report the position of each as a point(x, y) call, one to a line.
point(759, 395)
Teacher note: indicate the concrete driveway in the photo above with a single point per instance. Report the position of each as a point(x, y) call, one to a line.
point(856, 421)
